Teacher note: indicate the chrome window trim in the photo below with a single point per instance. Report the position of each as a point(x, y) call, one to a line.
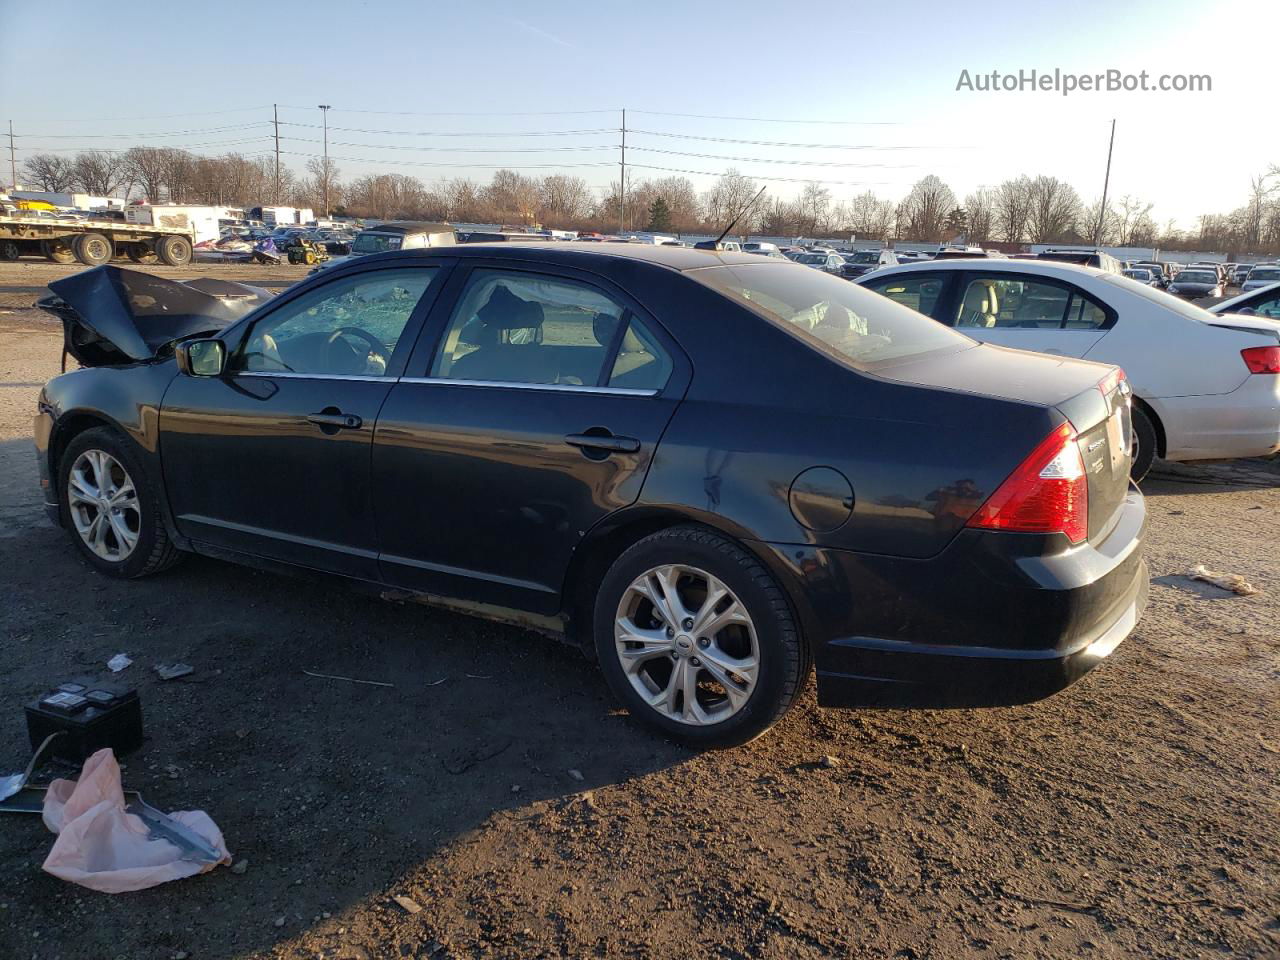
point(557, 387)
point(311, 376)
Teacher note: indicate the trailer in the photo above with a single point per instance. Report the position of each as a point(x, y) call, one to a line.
point(95, 240)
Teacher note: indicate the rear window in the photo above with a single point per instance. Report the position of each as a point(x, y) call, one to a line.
point(376, 243)
point(858, 326)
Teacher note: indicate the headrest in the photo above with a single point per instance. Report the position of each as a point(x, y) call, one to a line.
point(505, 311)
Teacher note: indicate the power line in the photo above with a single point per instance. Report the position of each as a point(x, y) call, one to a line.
point(460, 166)
point(125, 136)
point(159, 116)
point(462, 113)
point(394, 146)
point(790, 163)
point(460, 133)
point(712, 116)
point(786, 143)
point(709, 173)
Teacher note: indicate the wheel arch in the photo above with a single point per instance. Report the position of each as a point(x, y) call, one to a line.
point(613, 535)
point(1162, 443)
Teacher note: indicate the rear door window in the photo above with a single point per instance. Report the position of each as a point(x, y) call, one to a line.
point(516, 327)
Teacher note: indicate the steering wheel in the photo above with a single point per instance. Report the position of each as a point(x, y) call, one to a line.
point(377, 349)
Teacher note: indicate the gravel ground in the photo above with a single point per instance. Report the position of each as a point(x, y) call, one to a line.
point(497, 787)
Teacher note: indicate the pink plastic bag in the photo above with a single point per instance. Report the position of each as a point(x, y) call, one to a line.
point(103, 847)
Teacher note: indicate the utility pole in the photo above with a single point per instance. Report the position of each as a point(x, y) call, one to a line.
point(275, 112)
point(1106, 182)
point(622, 184)
point(324, 112)
point(13, 164)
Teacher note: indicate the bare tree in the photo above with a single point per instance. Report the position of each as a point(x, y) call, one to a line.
point(777, 218)
point(1013, 209)
point(179, 165)
point(981, 207)
point(726, 199)
point(511, 197)
point(923, 214)
point(563, 200)
point(50, 172)
point(1131, 213)
point(98, 172)
point(148, 166)
point(813, 207)
point(462, 199)
point(1055, 209)
point(870, 217)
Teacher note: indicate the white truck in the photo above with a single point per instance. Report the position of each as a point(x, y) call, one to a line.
point(95, 240)
point(201, 221)
point(282, 216)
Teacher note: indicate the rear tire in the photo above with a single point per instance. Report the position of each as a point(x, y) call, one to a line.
point(9, 250)
point(131, 543)
point(59, 251)
point(93, 249)
point(655, 655)
point(1144, 444)
point(141, 252)
point(175, 251)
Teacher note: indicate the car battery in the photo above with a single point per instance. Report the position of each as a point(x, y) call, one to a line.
point(89, 716)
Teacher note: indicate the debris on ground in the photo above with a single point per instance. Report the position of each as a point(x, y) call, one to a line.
point(408, 904)
point(99, 845)
point(576, 774)
point(118, 662)
point(329, 676)
point(1232, 582)
point(240, 867)
point(172, 671)
point(829, 762)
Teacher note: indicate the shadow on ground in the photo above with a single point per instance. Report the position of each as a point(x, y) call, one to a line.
point(330, 789)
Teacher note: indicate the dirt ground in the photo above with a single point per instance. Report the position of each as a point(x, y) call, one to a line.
point(1136, 814)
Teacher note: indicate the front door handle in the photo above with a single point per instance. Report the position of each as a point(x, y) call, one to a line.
point(606, 442)
point(342, 421)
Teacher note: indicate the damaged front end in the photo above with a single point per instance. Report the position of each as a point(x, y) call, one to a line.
point(114, 316)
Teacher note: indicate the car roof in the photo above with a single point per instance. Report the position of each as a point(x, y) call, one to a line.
point(1049, 268)
point(412, 226)
point(580, 254)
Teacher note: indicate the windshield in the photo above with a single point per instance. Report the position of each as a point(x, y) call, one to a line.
point(851, 323)
point(1138, 274)
point(376, 243)
point(1196, 276)
point(813, 258)
point(866, 256)
point(1264, 274)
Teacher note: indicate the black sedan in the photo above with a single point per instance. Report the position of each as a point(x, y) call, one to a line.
point(712, 471)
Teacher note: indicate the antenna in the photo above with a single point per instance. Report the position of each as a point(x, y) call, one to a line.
point(734, 222)
point(715, 244)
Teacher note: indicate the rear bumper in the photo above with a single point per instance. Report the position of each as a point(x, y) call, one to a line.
point(990, 621)
point(1242, 423)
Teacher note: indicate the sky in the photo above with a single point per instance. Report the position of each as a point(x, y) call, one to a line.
point(860, 95)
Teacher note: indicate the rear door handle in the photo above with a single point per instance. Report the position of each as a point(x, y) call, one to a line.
point(344, 421)
point(603, 441)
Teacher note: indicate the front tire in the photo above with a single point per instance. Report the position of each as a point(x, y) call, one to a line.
point(697, 640)
point(93, 249)
point(1144, 444)
point(111, 507)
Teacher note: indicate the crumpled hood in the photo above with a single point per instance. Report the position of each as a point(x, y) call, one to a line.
point(112, 315)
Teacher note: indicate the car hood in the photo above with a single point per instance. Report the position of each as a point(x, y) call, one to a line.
point(111, 315)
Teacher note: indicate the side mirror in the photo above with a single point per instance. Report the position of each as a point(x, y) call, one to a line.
point(201, 358)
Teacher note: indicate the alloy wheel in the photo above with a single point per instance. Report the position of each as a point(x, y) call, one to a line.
point(104, 505)
point(687, 645)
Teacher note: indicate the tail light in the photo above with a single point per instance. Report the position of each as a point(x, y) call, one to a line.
point(1048, 493)
point(1262, 359)
point(1111, 381)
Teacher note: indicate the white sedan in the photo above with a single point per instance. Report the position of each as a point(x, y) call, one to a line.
point(1206, 386)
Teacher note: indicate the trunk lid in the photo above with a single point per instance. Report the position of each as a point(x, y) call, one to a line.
point(110, 315)
point(1094, 397)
